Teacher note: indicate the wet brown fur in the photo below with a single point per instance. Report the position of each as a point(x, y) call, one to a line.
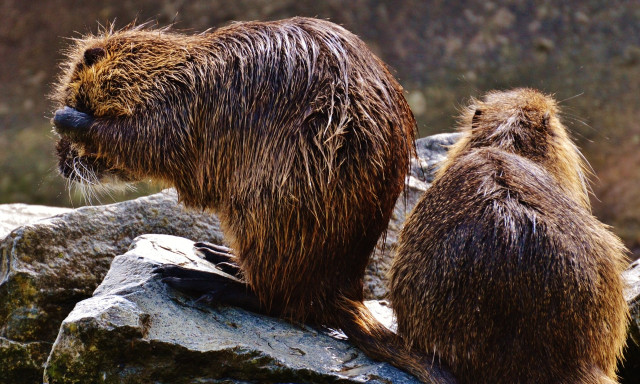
point(501, 270)
point(293, 132)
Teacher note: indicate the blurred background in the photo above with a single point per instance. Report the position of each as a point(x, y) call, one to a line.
point(587, 53)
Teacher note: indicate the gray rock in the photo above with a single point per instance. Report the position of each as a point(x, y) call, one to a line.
point(48, 266)
point(135, 329)
point(15, 215)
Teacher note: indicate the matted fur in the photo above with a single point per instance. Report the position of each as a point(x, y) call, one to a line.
point(501, 269)
point(293, 132)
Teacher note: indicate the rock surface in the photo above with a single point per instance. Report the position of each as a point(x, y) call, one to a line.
point(135, 329)
point(48, 266)
point(15, 215)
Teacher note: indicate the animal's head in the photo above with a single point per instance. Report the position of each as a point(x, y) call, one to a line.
point(111, 83)
point(525, 122)
point(119, 73)
point(521, 121)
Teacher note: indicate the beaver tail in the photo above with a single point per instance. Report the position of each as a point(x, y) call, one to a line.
point(380, 343)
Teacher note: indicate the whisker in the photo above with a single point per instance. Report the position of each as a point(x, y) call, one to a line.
point(571, 97)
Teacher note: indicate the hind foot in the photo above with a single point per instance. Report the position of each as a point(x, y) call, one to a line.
point(209, 287)
point(219, 255)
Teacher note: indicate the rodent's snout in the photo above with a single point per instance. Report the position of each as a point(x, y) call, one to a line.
point(69, 120)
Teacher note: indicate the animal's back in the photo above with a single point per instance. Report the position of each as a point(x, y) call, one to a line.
point(516, 282)
point(320, 158)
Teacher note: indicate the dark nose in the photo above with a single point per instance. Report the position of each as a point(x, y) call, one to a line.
point(68, 120)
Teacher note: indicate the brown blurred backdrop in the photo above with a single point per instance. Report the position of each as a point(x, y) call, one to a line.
point(587, 53)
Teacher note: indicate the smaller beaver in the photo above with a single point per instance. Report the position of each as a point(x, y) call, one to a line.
point(501, 269)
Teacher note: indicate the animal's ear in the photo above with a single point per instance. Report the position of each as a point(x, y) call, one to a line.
point(92, 55)
point(476, 118)
point(545, 120)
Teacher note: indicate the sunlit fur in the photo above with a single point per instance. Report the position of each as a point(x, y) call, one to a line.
point(525, 122)
point(293, 132)
point(501, 269)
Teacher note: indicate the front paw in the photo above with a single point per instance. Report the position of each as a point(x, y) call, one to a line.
point(70, 121)
point(192, 281)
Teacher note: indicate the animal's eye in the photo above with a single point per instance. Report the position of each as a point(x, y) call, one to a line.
point(92, 55)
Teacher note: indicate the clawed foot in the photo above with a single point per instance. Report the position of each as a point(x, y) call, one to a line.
point(219, 255)
point(191, 281)
point(212, 287)
point(209, 287)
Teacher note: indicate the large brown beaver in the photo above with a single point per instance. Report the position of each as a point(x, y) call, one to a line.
point(292, 131)
point(501, 270)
